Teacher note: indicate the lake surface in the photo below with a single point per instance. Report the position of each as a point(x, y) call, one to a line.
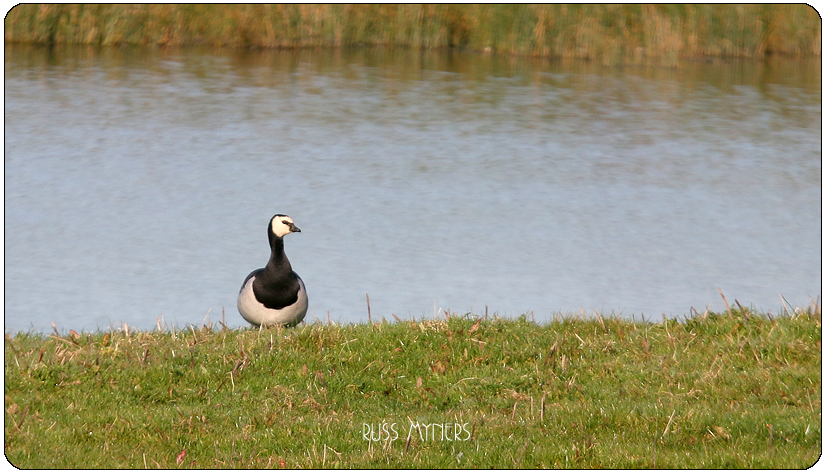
point(139, 184)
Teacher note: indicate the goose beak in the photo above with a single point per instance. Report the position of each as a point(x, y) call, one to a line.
point(293, 228)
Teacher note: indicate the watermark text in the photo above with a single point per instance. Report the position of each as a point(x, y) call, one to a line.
point(426, 432)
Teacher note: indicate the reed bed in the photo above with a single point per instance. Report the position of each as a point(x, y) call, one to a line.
point(738, 389)
point(612, 33)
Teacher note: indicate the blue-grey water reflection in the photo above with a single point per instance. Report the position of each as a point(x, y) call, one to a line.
point(139, 183)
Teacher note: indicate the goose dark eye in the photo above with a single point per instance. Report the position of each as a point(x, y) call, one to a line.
point(286, 223)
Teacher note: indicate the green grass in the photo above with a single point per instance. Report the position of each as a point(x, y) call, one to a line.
point(713, 391)
point(611, 33)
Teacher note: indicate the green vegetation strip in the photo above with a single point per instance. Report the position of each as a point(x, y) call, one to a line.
point(613, 33)
point(732, 390)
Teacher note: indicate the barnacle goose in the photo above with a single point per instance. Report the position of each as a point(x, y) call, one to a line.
point(274, 295)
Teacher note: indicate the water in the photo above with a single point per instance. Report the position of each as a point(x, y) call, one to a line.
point(139, 184)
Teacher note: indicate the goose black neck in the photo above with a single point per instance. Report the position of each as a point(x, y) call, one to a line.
point(278, 263)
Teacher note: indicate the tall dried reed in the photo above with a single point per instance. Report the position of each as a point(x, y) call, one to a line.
point(611, 33)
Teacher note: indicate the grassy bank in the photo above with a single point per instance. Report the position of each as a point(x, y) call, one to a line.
point(714, 391)
point(608, 32)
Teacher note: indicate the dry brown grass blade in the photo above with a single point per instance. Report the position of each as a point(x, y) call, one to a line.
point(669, 422)
point(543, 406)
point(744, 312)
point(22, 417)
point(729, 314)
point(474, 327)
point(785, 305)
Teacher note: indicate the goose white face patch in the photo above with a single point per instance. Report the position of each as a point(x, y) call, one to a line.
point(280, 229)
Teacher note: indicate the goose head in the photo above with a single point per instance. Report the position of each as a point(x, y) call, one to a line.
point(282, 225)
